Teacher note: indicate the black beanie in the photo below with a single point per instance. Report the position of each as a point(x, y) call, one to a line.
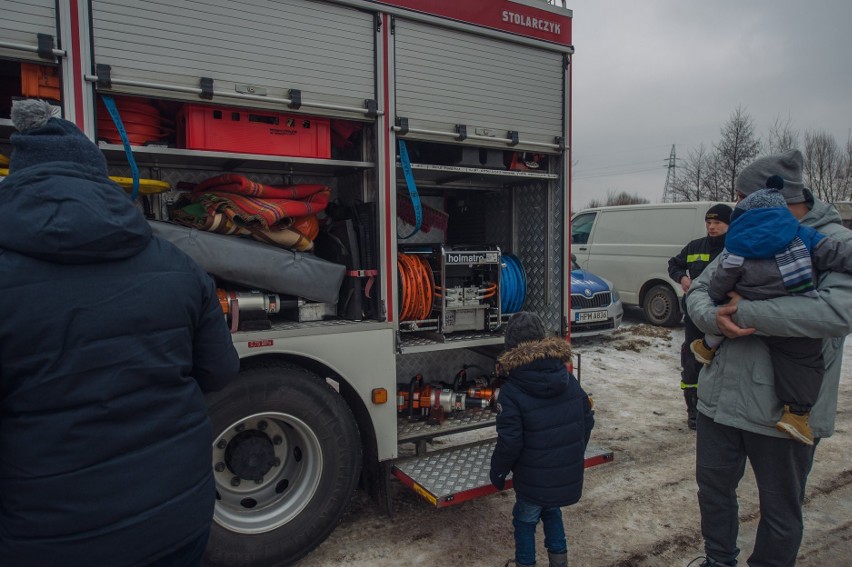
point(41, 138)
point(720, 212)
point(524, 326)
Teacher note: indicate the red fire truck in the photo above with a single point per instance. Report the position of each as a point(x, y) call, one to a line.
point(441, 130)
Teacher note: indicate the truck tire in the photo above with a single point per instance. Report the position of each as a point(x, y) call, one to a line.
point(286, 459)
point(661, 306)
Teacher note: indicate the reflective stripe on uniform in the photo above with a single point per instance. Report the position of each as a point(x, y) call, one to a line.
point(690, 258)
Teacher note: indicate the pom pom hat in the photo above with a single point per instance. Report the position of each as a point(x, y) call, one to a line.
point(523, 327)
point(760, 199)
point(41, 138)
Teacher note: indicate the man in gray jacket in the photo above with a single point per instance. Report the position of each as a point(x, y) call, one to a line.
point(737, 405)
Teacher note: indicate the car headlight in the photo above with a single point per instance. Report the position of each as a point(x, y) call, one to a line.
point(615, 297)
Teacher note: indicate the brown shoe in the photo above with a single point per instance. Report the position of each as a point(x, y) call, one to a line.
point(796, 426)
point(702, 352)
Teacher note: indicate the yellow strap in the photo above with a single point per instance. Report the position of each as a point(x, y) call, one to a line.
point(146, 186)
point(696, 257)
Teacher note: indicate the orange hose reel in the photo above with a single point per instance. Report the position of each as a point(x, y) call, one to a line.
point(417, 287)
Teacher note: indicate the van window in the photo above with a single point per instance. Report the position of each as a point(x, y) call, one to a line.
point(645, 226)
point(581, 227)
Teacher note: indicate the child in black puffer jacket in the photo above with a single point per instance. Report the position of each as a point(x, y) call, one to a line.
point(544, 423)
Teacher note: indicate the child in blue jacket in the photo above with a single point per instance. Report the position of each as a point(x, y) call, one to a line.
point(769, 254)
point(544, 423)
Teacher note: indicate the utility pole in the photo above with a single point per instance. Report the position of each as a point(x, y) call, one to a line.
point(671, 175)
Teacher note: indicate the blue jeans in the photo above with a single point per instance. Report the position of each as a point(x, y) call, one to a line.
point(525, 517)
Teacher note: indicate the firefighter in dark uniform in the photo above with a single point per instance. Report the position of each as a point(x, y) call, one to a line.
point(684, 268)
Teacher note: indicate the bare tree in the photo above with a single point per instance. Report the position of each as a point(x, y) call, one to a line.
point(613, 198)
point(689, 183)
point(781, 136)
point(714, 185)
point(710, 175)
point(825, 166)
point(737, 148)
point(847, 172)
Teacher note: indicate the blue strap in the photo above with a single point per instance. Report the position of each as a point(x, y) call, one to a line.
point(119, 125)
point(412, 190)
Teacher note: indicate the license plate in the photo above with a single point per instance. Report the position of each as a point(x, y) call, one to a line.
point(589, 316)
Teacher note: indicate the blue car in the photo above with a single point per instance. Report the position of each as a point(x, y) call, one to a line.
point(595, 307)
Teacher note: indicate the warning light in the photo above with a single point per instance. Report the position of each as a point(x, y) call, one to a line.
point(380, 396)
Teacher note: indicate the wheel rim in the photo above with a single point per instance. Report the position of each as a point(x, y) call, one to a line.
point(267, 468)
point(659, 307)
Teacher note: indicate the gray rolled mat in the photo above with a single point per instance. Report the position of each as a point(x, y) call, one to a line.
point(256, 265)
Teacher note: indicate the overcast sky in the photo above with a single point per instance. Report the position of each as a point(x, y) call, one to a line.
point(649, 74)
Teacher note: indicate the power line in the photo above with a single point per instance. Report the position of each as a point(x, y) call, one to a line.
point(627, 150)
point(614, 169)
point(617, 174)
point(586, 169)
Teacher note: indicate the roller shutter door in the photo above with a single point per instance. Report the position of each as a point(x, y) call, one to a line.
point(22, 21)
point(323, 50)
point(445, 77)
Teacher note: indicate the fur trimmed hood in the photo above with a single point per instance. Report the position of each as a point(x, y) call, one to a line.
point(525, 353)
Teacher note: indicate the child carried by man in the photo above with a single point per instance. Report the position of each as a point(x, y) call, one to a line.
point(769, 254)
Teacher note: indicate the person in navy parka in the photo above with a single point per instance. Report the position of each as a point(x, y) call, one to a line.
point(544, 423)
point(108, 339)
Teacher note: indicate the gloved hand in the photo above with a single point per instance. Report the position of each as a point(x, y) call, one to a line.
point(498, 480)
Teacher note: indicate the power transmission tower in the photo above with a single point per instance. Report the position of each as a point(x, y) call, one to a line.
point(671, 175)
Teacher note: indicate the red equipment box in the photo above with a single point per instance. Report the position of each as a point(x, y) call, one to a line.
point(40, 81)
point(202, 127)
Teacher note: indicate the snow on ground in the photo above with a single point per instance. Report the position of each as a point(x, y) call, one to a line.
point(638, 511)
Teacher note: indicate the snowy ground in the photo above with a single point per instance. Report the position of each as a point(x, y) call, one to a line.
point(638, 511)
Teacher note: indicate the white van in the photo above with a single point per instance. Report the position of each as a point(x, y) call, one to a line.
point(631, 245)
point(845, 210)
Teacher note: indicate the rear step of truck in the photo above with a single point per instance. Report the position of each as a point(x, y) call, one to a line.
point(459, 473)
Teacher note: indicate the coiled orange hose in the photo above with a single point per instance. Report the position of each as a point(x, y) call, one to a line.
point(417, 287)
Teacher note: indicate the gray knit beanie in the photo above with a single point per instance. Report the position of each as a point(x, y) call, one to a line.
point(41, 138)
point(524, 326)
point(787, 165)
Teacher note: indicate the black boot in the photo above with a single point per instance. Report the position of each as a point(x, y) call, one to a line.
point(691, 397)
point(557, 559)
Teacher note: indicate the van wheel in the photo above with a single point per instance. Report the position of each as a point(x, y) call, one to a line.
point(661, 307)
point(286, 461)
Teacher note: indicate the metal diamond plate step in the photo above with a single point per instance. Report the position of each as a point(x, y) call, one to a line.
point(458, 474)
point(466, 420)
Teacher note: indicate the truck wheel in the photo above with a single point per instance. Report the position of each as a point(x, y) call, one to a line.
point(286, 459)
point(661, 306)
